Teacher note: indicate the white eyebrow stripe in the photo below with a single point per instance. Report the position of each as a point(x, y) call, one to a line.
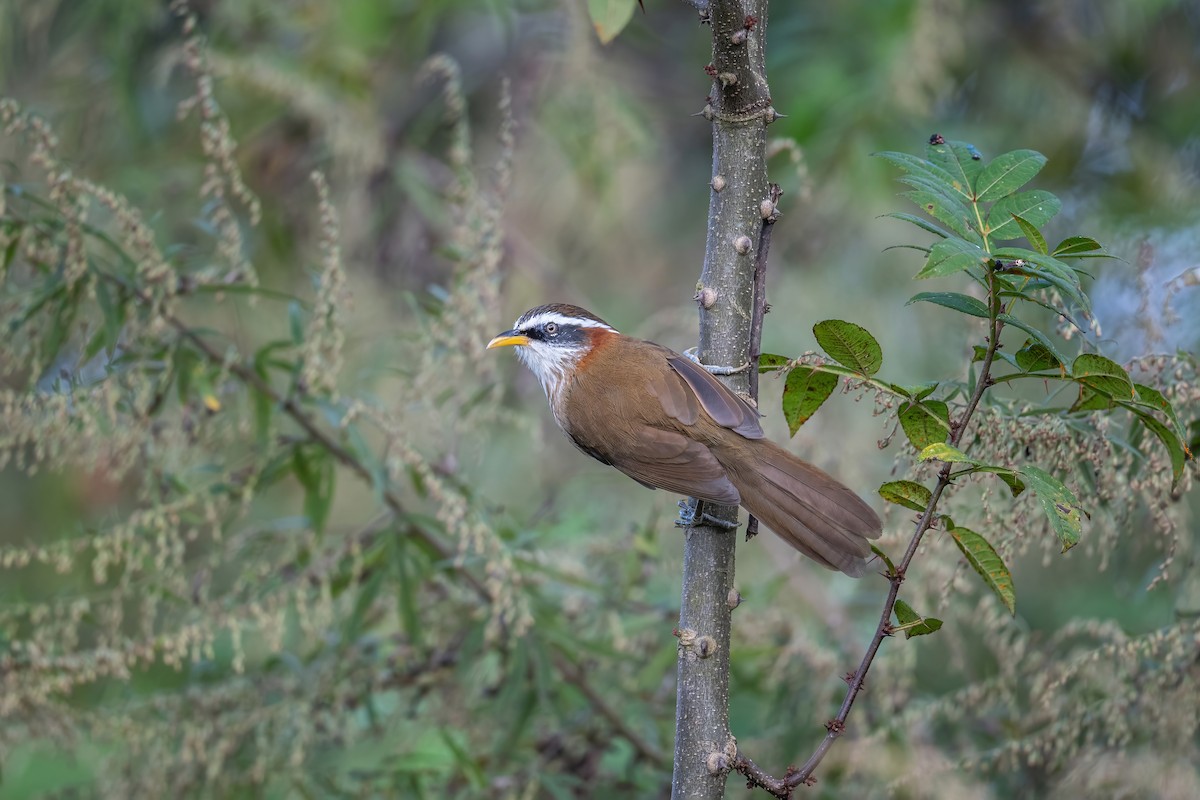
point(560, 319)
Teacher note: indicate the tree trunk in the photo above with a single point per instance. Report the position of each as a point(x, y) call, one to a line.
point(739, 109)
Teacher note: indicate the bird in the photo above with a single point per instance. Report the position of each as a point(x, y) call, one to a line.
point(665, 421)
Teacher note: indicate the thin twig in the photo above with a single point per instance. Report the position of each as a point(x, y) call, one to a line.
point(760, 287)
point(574, 676)
point(783, 787)
point(760, 310)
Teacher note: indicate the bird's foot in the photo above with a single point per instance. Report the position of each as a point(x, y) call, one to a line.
point(692, 513)
point(713, 368)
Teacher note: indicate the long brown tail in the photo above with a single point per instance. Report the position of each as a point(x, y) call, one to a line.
point(804, 506)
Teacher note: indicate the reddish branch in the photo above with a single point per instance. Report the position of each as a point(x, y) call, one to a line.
point(769, 214)
point(783, 787)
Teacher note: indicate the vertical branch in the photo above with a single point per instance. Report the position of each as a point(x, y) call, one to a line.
point(739, 109)
point(769, 212)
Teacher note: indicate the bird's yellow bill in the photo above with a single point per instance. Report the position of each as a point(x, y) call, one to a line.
point(508, 339)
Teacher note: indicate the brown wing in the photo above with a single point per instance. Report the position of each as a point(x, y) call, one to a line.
point(668, 460)
point(726, 408)
point(628, 430)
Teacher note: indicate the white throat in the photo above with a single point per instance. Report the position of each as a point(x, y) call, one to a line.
point(556, 345)
point(550, 363)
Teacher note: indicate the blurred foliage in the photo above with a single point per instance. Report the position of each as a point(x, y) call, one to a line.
point(271, 529)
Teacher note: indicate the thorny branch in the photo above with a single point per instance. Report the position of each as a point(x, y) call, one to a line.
point(783, 787)
point(769, 211)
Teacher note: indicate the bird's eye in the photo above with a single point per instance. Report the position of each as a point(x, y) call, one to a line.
point(551, 329)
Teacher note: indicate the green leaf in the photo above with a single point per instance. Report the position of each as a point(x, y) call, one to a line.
point(1076, 245)
point(315, 471)
point(9, 253)
point(1177, 450)
point(1015, 484)
point(1007, 173)
point(920, 222)
point(263, 404)
point(296, 322)
point(406, 587)
point(113, 312)
point(467, 764)
point(1028, 298)
point(850, 345)
point(944, 209)
point(1031, 233)
point(1059, 503)
point(920, 391)
point(909, 494)
point(1042, 339)
point(953, 300)
point(940, 451)
point(950, 256)
point(957, 159)
point(365, 597)
point(1089, 400)
point(769, 362)
point(609, 17)
point(987, 562)
point(925, 423)
point(1102, 375)
point(891, 567)
point(1035, 357)
point(806, 389)
point(913, 623)
point(1034, 208)
point(914, 165)
point(1049, 269)
point(1148, 395)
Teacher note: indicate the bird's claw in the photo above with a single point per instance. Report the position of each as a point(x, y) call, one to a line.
point(691, 514)
point(713, 368)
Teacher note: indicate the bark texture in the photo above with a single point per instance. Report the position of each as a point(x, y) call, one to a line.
point(739, 108)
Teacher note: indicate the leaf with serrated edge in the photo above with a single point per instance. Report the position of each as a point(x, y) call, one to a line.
point(1059, 503)
point(917, 166)
point(1036, 207)
point(912, 622)
point(1049, 269)
point(770, 362)
point(909, 494)
point(609, 17)
point(806, 389)
point(851, 345)
point(953, 300)
point(1035, 357)
point(1074, 245)
point(925, 423)
point(1148, 395)
point(950, 256)
point(891, 567)
point(1006, 173)
point(940, 451)
point(1102, 375)
point(944, 210)
point(1042, 339)
point(920, 222)
point(955, 158)
point(1175, 447)
point(984, 559)
point(1031, 233)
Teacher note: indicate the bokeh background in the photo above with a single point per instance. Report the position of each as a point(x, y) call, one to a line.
point(556, 168)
